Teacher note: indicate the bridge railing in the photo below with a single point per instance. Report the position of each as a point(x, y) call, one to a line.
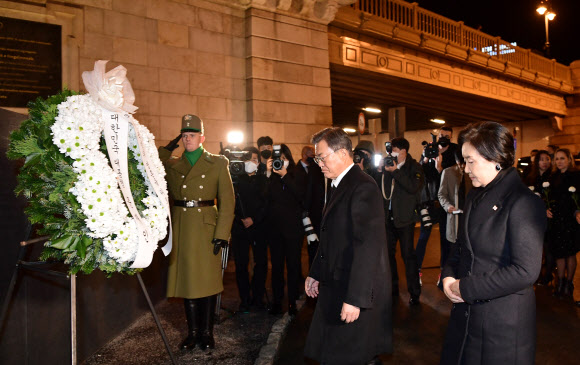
point(412, 16)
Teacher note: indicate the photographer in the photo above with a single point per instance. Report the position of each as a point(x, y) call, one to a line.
point(401, 185)
point(265, 144)
point(286, 188)
point(437, 156)
point(248, 231)
point(314, 198)
point(363, 157)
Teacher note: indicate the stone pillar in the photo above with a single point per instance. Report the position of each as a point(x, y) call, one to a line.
point(287, 69)
point(569, 136)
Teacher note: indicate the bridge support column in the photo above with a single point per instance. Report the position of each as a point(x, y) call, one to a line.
point(287, 70)
point(569, 136)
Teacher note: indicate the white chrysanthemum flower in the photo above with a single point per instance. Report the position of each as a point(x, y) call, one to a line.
point(546, 184)
point(531, 188)
point(572, 189)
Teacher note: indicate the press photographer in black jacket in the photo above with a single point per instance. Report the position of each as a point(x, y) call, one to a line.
point(401, 186)
point(249, 231)
point(286, 187)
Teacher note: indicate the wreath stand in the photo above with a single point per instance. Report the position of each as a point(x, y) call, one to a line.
point(38, 267)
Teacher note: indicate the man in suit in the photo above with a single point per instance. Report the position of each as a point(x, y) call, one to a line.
point(401, 185)
point(350, 275)
point(314, 198)
point(452, 193)
point(200, 227)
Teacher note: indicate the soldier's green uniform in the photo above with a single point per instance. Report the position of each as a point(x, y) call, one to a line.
point(202, 211)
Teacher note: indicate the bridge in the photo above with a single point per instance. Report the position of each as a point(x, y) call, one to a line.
point(392, 53)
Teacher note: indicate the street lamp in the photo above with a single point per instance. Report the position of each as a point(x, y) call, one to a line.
point(545, 10)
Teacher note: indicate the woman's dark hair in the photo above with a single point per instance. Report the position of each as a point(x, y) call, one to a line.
point(571, 163)
point(493, 141)
point(251, 150)
point(288, 154)
point(535, 171)
point(336, 139)
point(459, 156)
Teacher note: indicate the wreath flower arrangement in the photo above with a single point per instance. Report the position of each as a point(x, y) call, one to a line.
point(74, 192)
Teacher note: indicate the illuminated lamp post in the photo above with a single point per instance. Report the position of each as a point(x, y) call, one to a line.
point(545, 10)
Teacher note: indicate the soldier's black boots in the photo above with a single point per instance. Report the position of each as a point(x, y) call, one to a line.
point(193, 324)
point(207, 322)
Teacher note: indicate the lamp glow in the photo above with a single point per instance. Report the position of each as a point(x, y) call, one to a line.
point(541, 9)
point(372, 110)
point(349, 130)
point(438, 121)
point(551, 15)
point(235, 137)
point(378, 157)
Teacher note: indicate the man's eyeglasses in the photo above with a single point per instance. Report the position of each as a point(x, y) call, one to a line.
point(318, 160)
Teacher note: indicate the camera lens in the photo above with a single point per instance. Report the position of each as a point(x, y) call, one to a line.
point(277, 164)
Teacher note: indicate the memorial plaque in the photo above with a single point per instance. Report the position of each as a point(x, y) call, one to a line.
point(30, 61)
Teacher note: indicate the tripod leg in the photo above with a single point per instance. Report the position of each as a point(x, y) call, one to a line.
point(154, 313)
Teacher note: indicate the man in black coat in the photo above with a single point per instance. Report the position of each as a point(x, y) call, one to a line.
point(401, 186)
point(314, 196)
point(350, 275)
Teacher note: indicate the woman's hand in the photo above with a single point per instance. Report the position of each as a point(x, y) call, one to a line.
point(282, 172)
point(578, 216)
point(549, 213)
point(451, 289)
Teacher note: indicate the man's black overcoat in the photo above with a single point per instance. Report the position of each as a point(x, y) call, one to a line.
point(497, 259)
point(352, 266)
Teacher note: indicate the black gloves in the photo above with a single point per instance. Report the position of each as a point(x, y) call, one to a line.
point(173, 144)
point(218, 244)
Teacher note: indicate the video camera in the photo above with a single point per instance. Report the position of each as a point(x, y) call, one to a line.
point(390, 160)
point(432, 148)
point(236, 158)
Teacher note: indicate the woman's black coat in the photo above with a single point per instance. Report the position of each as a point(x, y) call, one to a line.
point(497, 259)
point(352, 266)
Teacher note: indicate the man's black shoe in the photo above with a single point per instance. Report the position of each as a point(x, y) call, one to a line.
point(414, 300)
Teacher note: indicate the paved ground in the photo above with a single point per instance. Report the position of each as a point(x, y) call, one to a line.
point(417, 334)
point(419, 330)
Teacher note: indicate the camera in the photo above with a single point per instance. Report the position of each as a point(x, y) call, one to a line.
point(277, 163)
point(432, 148)
point(425, 217)
point(390, 160)
point(358, 156)
point(311, 236)
point(236, 158)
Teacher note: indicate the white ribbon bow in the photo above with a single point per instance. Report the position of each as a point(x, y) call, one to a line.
point(110, 90)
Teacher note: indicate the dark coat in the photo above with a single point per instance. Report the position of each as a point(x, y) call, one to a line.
point(251, 201)
point(497, 258)
point(409, 181)
point(352, 266)
point(563, 229)
point(314, 195)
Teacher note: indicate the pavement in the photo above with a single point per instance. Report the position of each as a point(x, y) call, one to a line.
point(259, 338)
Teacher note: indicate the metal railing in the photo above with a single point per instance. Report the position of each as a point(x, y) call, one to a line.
point(425, 21)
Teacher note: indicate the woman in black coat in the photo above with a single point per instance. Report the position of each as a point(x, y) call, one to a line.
point(564, 219)
point(286, 189)
point(540, 174)
point(490, 274)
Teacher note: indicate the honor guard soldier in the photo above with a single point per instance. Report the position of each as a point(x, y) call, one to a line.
point(200, 228)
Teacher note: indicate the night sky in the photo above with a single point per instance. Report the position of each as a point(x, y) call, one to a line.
point(518, 21)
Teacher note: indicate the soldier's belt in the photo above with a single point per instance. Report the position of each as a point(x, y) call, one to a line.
point(193, 203)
